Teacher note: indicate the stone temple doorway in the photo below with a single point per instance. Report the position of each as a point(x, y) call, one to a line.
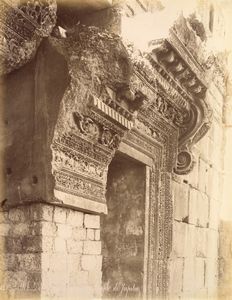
point(123, 229)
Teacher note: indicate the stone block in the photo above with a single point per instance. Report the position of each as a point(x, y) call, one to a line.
point(26, 244)
point(75, 218)
point(212, 275)
point(179, 238)
point(4, 217)
point(180, 193)
point(193, 204)
point(95, 279)
point(176, 276)
point(59, 245)
point(203, 175)
point(29, 262)
point(16, 280)
point(45, 261)
point(48, 244)
point(200, 273)
point(74, 247)
point(64, 230)
point(13, 245)
point(32, 244)
point(213, 214)
point(190, 241)
point(91, 262)
point(10, 261)
point(92, 221)
point(34, 281)
point(97, 235)
point(90, 234)
point(58, 262)
point(41, 212)
point(203, 209)
point(212, 244)
point(47, 213)
point(189, 276)
point(216, 186)
point(210, 181)
point(56, 281)
point(80, 278)
point(60, 215)
point(201, 242)
point(79, 233)
point(73, 263)
point(49, 229)
point(92, 247)
point(4, 229)
point(19, 215)
point(21, 229)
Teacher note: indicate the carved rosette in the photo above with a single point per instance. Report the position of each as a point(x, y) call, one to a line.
point(23, 24)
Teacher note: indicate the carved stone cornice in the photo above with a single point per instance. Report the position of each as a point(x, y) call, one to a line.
point(23, 24)
point(174, 62)
point(98, 108)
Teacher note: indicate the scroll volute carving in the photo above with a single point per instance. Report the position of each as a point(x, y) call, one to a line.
point(176, 66)
point(98, 108)
point(197, 125)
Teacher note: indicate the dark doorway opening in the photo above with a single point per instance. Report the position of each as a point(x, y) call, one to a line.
point(123, 229)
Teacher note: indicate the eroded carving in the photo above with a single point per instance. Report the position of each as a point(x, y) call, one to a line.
point(23, 24)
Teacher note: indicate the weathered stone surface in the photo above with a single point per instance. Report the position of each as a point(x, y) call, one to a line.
point(75, 218)
point(179, 239)
point(91, 262)
point(80, 278)
point(202, 209)
point(91, 221)
point(60, 215)
point(74, 247)
point(201, 242)
point(191, 241)
point(189, 277)
point(79, 233)
point(64, 230)
point(40, 212)
point(92, 247)
point(203, 175)
point(212, 244)
point(97, 235)
point(176, 279)
point(18, 215)
point(200, 274)
point(193, 205)
point(90, 234)
point(180, 194)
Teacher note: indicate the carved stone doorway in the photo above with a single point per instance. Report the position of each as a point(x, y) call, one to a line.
point(124, 229)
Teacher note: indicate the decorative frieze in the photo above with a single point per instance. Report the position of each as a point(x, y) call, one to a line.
point(23, 24)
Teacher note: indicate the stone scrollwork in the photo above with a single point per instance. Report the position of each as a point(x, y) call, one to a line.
point(23, 24)
point(175, 62)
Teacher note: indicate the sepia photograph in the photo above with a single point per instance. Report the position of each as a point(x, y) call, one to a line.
point(115, 149)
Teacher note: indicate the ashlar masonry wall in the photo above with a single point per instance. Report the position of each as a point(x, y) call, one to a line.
point(50, 251)
point(197, 200)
